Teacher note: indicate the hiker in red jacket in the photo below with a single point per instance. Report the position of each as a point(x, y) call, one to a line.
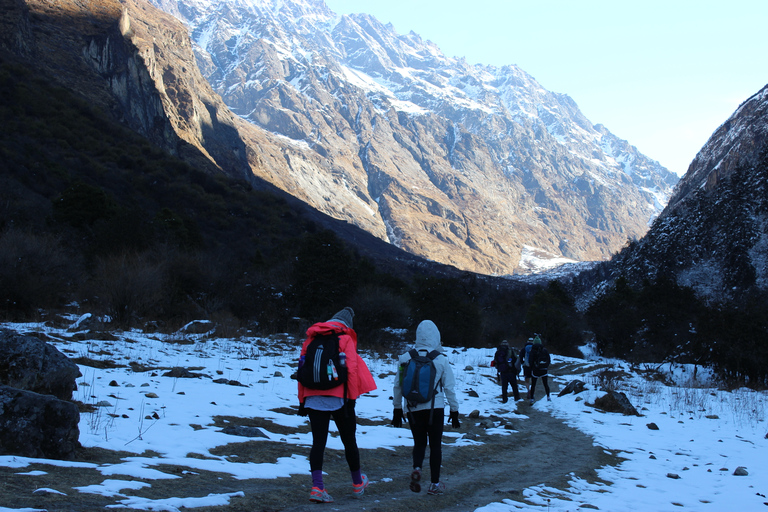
point(337, 402)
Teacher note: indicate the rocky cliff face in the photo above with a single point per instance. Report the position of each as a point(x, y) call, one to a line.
point(463, 164)
point(713, 235)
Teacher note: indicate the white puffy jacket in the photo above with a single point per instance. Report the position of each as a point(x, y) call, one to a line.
point(427, 340)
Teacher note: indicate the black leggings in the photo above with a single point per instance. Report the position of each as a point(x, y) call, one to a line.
point(346, 422)
point(544, 379)
point(423, 431)
point(506, 381)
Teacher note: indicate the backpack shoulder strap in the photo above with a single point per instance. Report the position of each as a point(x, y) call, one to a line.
point(413, 353)
point(433, 355)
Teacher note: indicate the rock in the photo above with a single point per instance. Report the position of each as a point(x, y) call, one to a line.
point(278, 374)
point(740, 471)
point(474, 414)
point(151, 395)
point(243, 431)
point(473, 393)
point(575, 387)
point(673, 476)
point(652, 426)
point(38, 426)
point(30, 364)
point(468, 368)
point(615, 401)
point(182, 373)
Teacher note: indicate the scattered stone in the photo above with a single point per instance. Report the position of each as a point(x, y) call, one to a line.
point(652, 426)
point(575, 387)
point(468, 368)
point(151, 395)
point(104, 403)
point(230, 382)
point(616, 401)
point(114, 384)
point(46, 490)
point(712, 416)
point(740, 471)
point(673, 476)
point(473, 393)
point(474, 414)
point(278, 374)
point(653, 457)
point(243, 431)
point(182, 373)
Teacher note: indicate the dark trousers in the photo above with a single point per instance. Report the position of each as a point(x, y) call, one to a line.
point(346, 422)
point(544, 379)
point(506, 380)
point(423, 434)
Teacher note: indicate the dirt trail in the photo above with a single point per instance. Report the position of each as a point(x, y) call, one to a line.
point(543, 450)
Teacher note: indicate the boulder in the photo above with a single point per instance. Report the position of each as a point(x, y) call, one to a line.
point(39, 426)
point(33, 365)
point(615, 401)
point(575, 387)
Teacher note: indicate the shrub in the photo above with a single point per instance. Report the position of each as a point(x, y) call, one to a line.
point(35, 272)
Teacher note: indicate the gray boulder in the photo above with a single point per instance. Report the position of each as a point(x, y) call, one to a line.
point(575, 387)
point(40, 426)
point(615, 401)
point(33, 365)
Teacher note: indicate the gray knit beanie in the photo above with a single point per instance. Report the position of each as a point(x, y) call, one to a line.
point(344, 316)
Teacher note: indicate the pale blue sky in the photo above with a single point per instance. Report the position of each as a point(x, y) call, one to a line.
point(661, 74)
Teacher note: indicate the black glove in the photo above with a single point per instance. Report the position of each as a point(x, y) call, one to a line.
point(302, 410)
point(454, 419)
point(397, 418)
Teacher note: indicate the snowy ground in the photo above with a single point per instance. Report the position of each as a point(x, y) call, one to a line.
point(703, 435)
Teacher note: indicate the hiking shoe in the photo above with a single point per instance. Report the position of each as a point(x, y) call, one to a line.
point(531, 401)
point(549, 399)
point(359, 489)
point(436, 489)
point(415, 478)
point(318, 495)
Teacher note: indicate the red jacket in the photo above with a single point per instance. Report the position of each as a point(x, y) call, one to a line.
point(359, 379)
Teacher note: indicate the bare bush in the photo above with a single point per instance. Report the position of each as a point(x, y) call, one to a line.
point(129, 286)
point(35, 271)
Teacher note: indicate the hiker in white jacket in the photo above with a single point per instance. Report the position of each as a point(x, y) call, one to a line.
point(426, 419)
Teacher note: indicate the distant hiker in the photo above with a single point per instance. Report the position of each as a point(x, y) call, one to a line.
point(539, 361)
point(426, 414)
point(506, 365)
point(522, 360)
point(329, 356)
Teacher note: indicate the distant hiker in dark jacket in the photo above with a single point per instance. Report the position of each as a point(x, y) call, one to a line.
point(539, 361)
point(506, 362)
point(426, 419)
point(523, 362)
point(322, 405)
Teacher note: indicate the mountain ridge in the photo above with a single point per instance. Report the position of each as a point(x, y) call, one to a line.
point(420, 149)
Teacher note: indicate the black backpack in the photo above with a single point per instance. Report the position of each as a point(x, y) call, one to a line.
point(322, 367)
point(539, 359)
point(505, 359)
